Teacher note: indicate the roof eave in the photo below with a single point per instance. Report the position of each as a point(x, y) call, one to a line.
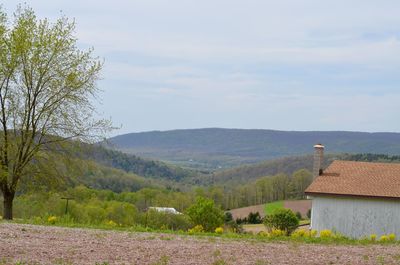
point(308, 193)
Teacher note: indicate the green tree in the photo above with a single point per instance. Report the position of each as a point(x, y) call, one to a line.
point(46, 89)
point(301, 179)
point(283, 219)
point(254, 218)
point(216, 194)
point(280, 186)
point(204, 212)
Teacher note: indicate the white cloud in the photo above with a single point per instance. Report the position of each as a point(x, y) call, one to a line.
point(287, 64)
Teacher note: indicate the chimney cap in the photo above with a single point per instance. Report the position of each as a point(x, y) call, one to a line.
point(319, 146)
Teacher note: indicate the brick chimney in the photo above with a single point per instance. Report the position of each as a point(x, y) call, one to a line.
point(318, 160)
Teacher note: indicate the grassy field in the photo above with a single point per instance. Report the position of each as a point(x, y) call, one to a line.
point(272, 206)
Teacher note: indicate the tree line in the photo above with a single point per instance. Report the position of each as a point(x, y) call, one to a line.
point(265, 189)
point(262, 190)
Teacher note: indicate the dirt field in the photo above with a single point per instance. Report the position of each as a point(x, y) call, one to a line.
point(244, 212)
point(301, 206)
point(55, 245)
point(254, 228)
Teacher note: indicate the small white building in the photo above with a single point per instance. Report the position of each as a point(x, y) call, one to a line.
point(164, 210)
point(356, 199)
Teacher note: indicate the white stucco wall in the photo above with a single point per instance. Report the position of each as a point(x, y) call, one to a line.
point(356, 217)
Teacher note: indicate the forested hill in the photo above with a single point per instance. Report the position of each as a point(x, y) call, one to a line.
point(73, 163)
point(288, 165)
point(215, 148)
point(99, 168)
point(134, 164)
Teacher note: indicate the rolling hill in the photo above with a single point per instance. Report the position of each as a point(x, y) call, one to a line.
point(61, 172)
point(98, 167)
point(214, 148)
point(75, 163)
point(286, 165)
point(134, 164)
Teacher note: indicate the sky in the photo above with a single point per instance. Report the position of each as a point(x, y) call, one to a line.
point(286, 65)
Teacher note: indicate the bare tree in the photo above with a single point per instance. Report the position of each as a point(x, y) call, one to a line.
point(47, 86)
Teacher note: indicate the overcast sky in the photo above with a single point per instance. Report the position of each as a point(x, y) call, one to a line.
point(289, 65)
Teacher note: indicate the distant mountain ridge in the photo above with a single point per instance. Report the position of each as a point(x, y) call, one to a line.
point(214, 148)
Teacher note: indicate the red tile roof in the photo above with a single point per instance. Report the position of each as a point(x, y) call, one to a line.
point(358, 179)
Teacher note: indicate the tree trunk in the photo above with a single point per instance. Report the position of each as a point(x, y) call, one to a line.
point(8, 205)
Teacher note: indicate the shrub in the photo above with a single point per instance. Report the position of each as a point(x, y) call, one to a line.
point(263, 234)
point(219, 230)
point(204, 212)
point(326, 233)
point(339, 236)
point(372, 237)
point(282, 219)
point(313, 233)
point(52, 220)
point(299, 233)
point(298, 215)
point(309, 213)
point(120, 212)
point(302, 233)
point(196, 229)
point(387, 238)
point(111, 223)
point(254, 218)
point(228, 217)
point(241, 221)
point(93, 213)
point(234, 227)
point(384, 238)
point(164, 221)
point(277, 233)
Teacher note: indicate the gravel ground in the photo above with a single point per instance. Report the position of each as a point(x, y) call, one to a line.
point(55, 245)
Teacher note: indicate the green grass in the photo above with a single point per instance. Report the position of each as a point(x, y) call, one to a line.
point(272, 206)
point(253, 225)
point(304, 222)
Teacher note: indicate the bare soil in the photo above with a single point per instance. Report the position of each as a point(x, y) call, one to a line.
point(244, 212)
point(301, 206)
point(55, 245)
point(254, 228)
